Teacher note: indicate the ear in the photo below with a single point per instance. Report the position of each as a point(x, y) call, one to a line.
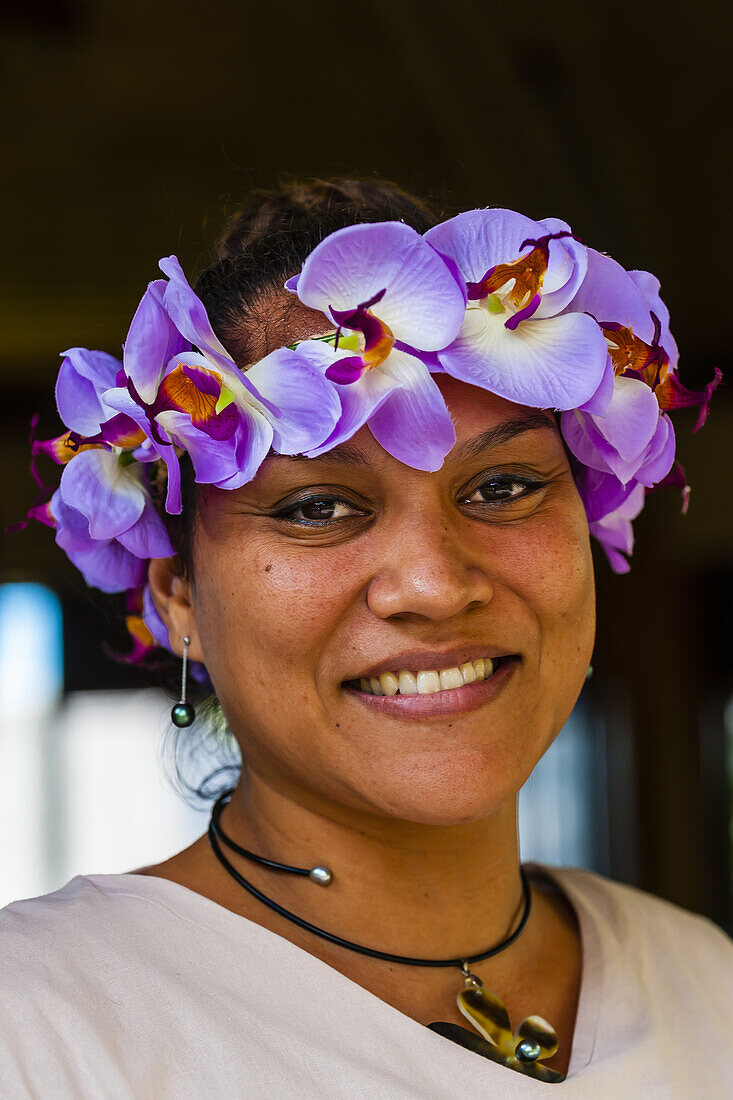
point(173, 597)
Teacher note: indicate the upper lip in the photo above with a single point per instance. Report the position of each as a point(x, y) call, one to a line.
point(426, 660)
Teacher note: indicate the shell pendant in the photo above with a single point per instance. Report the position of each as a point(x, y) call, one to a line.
point(520, 1049)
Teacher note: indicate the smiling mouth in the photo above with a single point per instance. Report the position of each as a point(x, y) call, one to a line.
point(429, 681)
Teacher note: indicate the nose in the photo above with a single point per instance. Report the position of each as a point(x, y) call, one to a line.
point(428, 572)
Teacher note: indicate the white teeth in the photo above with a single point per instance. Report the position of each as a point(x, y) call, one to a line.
point(389, 683)
point(468, 673)
point(450, 678)
point(408, 684)
point(427, 683)
point(375, 685)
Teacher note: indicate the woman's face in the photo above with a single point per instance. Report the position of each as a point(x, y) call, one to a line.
point(323, 571)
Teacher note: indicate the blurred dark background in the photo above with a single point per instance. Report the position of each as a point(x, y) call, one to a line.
point(132, 130)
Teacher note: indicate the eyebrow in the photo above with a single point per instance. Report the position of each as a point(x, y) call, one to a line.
point(349, 454)
point(502, 433)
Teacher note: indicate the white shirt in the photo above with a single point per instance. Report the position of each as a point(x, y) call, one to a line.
point(119, 986)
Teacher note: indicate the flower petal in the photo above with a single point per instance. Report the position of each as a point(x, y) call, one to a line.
point(422, 303)
point(413, 424)
point(614, 531)
point(566, 269)
point(252, 439)
point(189, 315)
point(153, 621)
point(308, 402)
point(173, 501)
point(649, 287)
point(601, 399)
point(83, 377)
point(359, 400)
point(147, 538)
point(671, 394)
point(108, 494)
point(72, 528)
point(600, 492)
point(615, 442)
point(214, 460)
point(109, 567)
point(608, 293)
point(557, 362)
point(151, 343)
point(103, 563)
point(659, 455)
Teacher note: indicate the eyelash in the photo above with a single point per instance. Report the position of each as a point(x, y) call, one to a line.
point(529, 486)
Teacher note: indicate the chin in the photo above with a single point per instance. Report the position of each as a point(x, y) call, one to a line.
point(450, 789)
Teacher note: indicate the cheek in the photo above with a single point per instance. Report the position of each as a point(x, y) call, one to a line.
point(552, 571)
point(262, 609)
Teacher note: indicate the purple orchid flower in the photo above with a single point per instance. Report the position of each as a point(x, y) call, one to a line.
point(201, 402)
point(105, 518)
point(518, 338)
point(112, 496)
point(395, 302)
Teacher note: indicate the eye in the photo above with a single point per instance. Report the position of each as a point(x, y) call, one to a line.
point(503, 489)
point(317, 510)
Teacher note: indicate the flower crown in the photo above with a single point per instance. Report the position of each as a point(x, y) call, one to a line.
point(518, 307)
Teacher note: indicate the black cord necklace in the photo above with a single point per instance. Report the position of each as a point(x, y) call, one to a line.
point(522, 1049)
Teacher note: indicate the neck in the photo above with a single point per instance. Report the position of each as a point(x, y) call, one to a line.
point(407, 888)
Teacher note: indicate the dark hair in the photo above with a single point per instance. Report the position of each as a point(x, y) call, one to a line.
point(266, 242)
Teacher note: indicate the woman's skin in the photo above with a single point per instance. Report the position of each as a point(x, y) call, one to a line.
point(414, 812)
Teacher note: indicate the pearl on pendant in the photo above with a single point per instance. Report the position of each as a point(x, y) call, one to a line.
point(527, 1051)
point(321, 875)
point(182, 715)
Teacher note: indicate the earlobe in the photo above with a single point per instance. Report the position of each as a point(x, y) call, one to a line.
point(172, 595)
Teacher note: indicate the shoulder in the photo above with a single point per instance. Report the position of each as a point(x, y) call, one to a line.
point(654, 932)
point(80, 934)
point(86, 901)
point(60, 926)
point(80, 969)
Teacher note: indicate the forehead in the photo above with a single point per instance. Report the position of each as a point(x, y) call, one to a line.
point(474, 409)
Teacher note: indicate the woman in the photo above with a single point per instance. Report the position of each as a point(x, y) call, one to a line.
point(375, 546)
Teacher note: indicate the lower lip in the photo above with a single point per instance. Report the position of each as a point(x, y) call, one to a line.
point(437, 703)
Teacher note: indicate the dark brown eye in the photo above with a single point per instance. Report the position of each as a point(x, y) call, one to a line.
point(500, 490)
point(315, 510)
point(318, 508)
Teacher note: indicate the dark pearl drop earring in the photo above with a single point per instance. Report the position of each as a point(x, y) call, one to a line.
point(183, 713)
